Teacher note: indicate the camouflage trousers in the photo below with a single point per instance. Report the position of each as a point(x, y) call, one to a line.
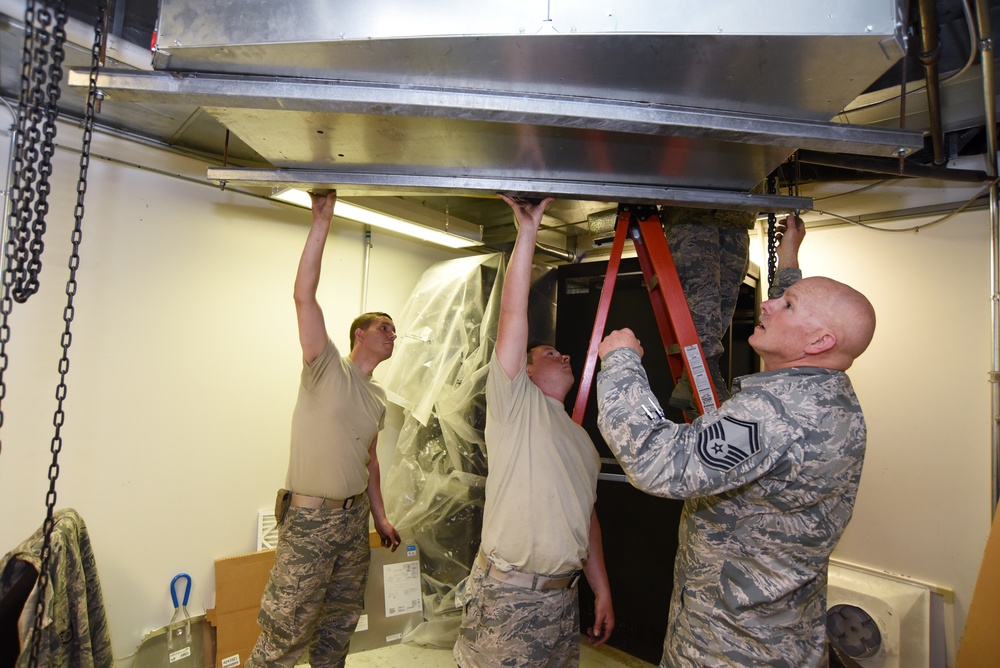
point(711, 264)
point(316, 591)
point(505, 625)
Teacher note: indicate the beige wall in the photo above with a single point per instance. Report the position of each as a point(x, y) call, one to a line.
point(185, 363)
point(923, 508)
point(924, 504)
point(184, 370)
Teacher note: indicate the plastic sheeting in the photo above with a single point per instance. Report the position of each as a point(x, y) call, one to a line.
point(448, 330)
point(435, 489)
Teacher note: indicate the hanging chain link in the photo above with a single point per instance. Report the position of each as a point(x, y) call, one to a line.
point(772, 219)
point(41, 76)
point(68, 313)
point(772, 242)
point(33, 144)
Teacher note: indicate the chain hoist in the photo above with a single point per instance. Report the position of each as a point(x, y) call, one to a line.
point(772, 241)
point(37, 114)
point(772, 218)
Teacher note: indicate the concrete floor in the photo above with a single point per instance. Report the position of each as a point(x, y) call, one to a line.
point(409, 656)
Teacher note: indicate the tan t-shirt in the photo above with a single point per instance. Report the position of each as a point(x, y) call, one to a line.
point(542, 479)
point(339, 411)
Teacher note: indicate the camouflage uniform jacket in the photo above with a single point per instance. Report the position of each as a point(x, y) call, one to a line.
point(75, 631)
point(769, 482)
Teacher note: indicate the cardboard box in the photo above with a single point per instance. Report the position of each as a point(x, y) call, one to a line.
point(393, 604)
point(980, 640)
point(239, 583)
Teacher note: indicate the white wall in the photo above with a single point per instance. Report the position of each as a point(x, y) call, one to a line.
point(184, 369)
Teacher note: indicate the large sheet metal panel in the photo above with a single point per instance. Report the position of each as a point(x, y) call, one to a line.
point(784, 59)
point(194, 23)
point(794, 58)
point(438, 147)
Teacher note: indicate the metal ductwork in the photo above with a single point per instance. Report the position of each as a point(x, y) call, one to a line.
point(670, 102)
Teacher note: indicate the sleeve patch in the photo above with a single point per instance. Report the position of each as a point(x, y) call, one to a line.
point(728, 443)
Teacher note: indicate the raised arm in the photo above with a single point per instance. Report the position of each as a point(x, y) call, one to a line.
point(791, 230)
point(312, 326)
point(512, 330)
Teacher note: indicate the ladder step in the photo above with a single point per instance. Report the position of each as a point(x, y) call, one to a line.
point(670, 308)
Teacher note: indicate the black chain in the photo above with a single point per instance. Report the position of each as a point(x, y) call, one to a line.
point(67, 336)
point(45, 35)
point(37, 110)
point(772, 242)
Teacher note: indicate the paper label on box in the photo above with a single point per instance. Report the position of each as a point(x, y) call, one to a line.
point(231, 661)
point(180, 654)
point(411, 550)
point(394, 637)
point(362, 624)
point(402, 588)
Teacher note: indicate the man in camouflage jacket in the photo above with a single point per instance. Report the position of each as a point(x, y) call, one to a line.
point(769, 478)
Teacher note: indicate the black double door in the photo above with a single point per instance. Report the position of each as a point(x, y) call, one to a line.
point(639, 530)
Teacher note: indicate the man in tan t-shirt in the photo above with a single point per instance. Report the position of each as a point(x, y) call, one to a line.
point(316, 590)
point(539, 526)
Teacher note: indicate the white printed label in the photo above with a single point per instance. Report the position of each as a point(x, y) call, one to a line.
point(362, 624)
point(180, 654)
point(231, 661)
point(402, 588)
point(699, 377)
point(393, 637)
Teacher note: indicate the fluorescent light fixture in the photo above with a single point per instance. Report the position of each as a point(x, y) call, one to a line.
point(397, 215)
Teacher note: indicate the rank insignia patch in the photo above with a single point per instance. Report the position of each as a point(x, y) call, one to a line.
point(728, 443)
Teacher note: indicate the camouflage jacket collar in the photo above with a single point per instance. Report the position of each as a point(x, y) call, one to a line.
point(798, 372)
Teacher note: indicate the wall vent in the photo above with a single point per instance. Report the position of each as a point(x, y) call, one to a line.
point(267, 530)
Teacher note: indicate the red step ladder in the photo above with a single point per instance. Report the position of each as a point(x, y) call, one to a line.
point(642, 224)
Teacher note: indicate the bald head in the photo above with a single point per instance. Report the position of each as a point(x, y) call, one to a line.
point(843, 311)
point(815, 322)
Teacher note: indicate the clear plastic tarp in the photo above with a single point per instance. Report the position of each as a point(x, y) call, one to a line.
point(435, 488)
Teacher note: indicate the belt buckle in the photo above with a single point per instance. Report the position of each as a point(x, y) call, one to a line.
point(349, 503)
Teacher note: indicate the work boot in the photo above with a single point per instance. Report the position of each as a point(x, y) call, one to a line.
point(681, 397)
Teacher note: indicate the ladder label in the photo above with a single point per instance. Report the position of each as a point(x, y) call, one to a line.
point(699, 377)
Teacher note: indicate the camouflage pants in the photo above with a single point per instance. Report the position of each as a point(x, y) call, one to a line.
point(505, 625)
point(316, 591)
point(711, 264)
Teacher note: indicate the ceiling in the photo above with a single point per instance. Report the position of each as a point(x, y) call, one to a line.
point(665, 102)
